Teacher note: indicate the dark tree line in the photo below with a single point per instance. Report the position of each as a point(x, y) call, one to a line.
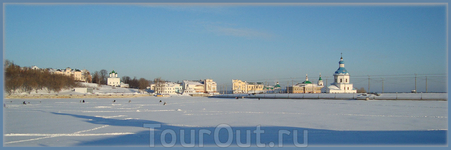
point(27, 79)
point(100, 77)
point(135, 83)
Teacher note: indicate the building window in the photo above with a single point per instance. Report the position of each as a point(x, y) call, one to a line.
point(346, 80)
point(341, 80)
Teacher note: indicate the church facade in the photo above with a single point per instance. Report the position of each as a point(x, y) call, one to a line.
point(306, 86)
point(341, 81)
point(113, 80)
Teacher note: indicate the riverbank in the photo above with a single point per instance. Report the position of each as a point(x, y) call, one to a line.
point(354, 96)
point(57, 96)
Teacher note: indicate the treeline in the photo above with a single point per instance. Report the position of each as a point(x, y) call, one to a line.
point(135, 83)
point(28, 80)
point(100, 77)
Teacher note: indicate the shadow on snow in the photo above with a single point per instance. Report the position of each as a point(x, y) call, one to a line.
point(270, 137)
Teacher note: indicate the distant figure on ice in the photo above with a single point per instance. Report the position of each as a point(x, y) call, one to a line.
point(11, 101)
point(164, 103)
point(83, 101)
point(39, 101)
point(80, 101)
point(114, 101)
point(28, 102)
point(24, 103)
point(129, 101)
point(160, 101)
point(259, 98)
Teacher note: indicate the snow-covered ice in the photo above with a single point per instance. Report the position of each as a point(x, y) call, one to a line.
point(100, 122)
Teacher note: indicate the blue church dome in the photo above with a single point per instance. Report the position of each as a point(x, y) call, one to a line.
point(341, 70)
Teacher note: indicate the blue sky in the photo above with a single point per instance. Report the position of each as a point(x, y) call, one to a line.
point(241, 41)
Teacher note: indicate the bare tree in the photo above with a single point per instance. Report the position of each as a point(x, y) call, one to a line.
point(103, 76)
point(13, 80)
point(86, 75)
point(126, 79)
point(27, 80)
point(361, 90)
point(143, 83)
point(159, 85)
point(96, 77)
point(134, 83)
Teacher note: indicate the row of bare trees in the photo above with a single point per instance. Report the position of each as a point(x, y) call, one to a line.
point(140, 83)
point(100, 77)
point(27, 80)
point(18, 79)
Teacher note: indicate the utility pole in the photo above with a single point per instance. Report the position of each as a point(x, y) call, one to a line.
point(426, 84)
point(382, 85)
point(368, 83)
point(415, 82)
point(288, 83)
point(226, 89)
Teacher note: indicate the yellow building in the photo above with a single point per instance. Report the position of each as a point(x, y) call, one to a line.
point(78, 75)
point(306, 87)
point(239, 86)
point(255, 87)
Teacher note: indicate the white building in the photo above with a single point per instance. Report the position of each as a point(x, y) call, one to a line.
point(199, 86)
point(210, 86)
point(172, 88)
point(193, 87)
point(341, 81)
point(124, 85)
point(113, 80)
point(75, 73)
point(167, 88)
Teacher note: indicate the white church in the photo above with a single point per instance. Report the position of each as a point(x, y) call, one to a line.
point(113, 80)
point(341, 80)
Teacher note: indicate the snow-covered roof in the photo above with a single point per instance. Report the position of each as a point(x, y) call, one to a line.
point(192, 82)
point(333, 87)
point(171, 84)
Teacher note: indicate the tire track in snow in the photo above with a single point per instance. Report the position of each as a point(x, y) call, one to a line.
point(46, 136)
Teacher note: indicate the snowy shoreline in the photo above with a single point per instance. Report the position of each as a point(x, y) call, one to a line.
point(59, 96)
point(356, 96)
point(323, 96)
